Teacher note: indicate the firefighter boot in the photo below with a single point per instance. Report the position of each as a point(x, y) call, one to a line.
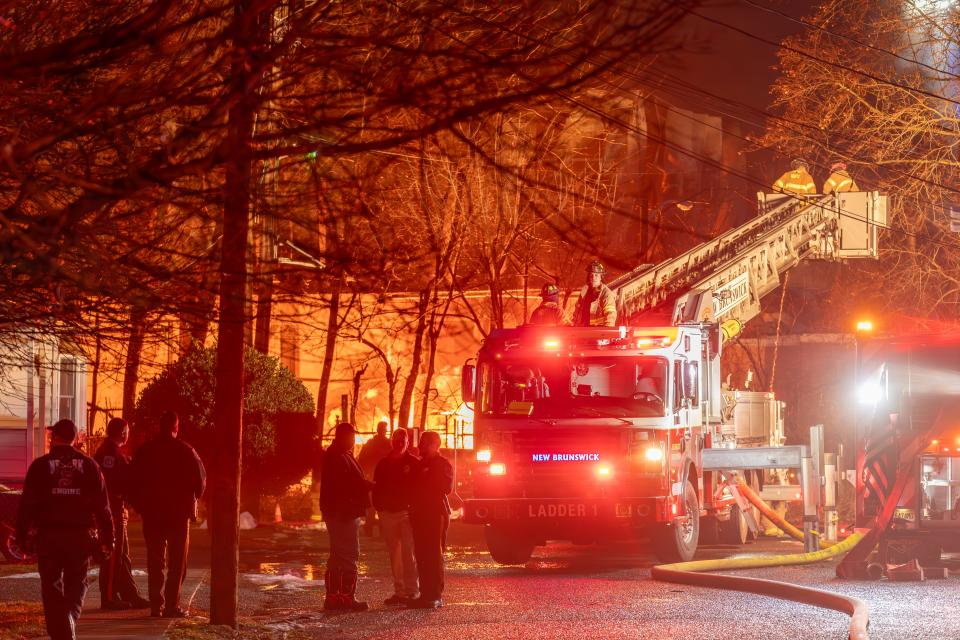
point(332, 580)
point(348, 588)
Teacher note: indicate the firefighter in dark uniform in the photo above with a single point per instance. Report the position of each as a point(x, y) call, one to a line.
point(65, 514)
point(429, 515)
point(344, 498)
point(549, 312)
point(167, 480)
point(117, 587)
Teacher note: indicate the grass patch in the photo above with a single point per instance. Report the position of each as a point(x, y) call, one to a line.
point(20, 620)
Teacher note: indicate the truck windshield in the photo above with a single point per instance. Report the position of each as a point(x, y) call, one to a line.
point(575, 387)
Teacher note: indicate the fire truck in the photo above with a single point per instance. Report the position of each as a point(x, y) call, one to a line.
point(595, 433)
point(908, 467)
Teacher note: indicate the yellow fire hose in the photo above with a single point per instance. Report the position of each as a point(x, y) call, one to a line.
point(772, 515)
point(690, 573)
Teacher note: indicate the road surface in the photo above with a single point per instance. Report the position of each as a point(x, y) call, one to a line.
point(565, 592)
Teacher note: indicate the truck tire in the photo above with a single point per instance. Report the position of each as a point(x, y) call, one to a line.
point(506, 546)
point(734, 530)
point(678, 542)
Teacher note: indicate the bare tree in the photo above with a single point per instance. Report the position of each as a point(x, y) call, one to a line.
point(123, 122)
point(870, 84)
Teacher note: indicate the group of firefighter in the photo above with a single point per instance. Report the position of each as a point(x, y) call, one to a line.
point(596, 306)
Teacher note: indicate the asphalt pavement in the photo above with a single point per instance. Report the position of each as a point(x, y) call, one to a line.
point(565, 592)
point(576, 592)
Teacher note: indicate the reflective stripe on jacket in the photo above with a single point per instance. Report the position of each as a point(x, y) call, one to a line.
point(839, 181)
point(795, 181)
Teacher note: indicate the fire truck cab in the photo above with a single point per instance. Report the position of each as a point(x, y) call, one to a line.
point(589, 433)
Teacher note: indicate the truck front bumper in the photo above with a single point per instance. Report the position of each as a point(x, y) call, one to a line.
point(556, 511)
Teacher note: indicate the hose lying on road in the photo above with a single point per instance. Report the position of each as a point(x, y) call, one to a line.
point(690, 573)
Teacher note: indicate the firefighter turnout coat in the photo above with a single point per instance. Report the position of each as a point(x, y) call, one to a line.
point(840, 181)
point(795, 181)
point(596, 308)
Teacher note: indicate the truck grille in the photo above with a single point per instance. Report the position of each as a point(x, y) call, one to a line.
point(562, 464)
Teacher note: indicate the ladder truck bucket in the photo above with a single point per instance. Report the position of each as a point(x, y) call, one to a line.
point(860, 214)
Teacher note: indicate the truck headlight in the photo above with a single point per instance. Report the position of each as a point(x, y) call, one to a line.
point(653, 454)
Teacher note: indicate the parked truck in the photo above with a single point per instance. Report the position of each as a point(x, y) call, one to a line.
point(593, 433)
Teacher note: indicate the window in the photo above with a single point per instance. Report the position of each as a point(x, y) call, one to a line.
point(290, 348)
point(69, 404)
point(692, 384)
point(575, 388)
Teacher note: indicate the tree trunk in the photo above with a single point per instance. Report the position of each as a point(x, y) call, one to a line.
point(131, 367)
point(391, 378)
point(437, 320)
point(261, 338)
point(406, 400)
point(94, 379)
point(355, 396)
point(228, 399)
point(392, 398)
point(428, 380)
point(333, 330)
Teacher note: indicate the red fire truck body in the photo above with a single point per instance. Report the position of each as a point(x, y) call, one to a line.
point(591, 433)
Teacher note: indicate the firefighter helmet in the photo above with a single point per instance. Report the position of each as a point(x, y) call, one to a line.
point(549, 290)
point(799, 163)
point(596, 267)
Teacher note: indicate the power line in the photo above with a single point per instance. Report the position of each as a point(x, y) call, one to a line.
point(856, 41)
point(603, 115)
point(839, 65)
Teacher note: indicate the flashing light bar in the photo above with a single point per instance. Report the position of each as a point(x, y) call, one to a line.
point(483, 455)
point(654, 341)
point(604, 471)
point(551, 343)
point(653, 454)
point(498, 469)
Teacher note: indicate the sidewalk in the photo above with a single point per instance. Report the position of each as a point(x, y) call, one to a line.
point(117, 625)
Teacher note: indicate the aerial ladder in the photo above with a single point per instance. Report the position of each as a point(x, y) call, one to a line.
point(721, 283)
point(737, 269)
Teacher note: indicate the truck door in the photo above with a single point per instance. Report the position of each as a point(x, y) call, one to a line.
point(686, 393)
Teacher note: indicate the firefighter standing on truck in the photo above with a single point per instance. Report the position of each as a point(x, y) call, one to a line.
point(839, 180)
point(117, 587)
point(549, 312)
point(596, 306)
point(797, 180)
point(64, 502)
